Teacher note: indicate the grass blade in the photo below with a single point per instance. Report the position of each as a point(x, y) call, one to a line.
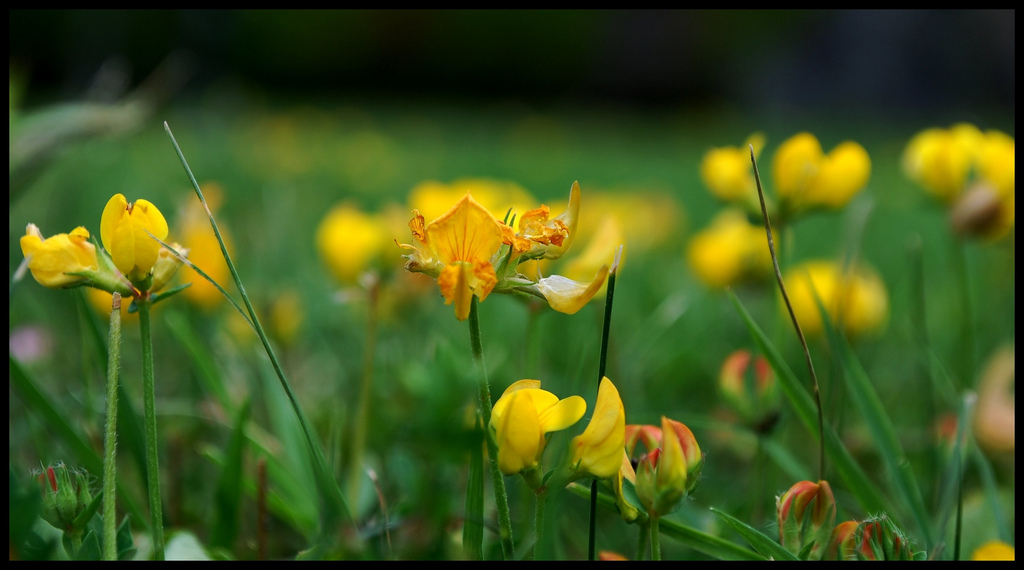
point(871, 501)
point(229, 489)
point(757, 539)
point(882, 429)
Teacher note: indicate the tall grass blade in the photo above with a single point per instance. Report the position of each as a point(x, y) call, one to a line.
point(881, 427)
point(334, 505)
point(868, 496)
point(228, 497)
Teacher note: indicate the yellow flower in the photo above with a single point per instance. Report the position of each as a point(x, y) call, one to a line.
point(729, 251)
point(806, 178)
point(123, 233)
point(166, 266)
point(994, 550)
point(728, 173)
point(433, 198)
point(470, 252)
point(60, 261)
point(203, 248)
point(597, 452)
point(521, 419)
point(858, 299)
point(349, 240)
point(626, 509)
point(457, 249)
point(940, 160)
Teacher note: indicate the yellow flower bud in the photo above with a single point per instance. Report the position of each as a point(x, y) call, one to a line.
point(729, 251)
point(123, 228)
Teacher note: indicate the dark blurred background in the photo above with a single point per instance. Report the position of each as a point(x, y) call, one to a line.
point(857, 63)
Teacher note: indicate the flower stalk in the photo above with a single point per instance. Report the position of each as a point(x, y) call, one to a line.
point(149, 419)
point(110, 433)
point(497, 479)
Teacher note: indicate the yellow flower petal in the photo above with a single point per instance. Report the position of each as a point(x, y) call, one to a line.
point(454, 283)
point(562, 414)
point(53, 260)
point(568, 296)
point(467, 232)
point(795, 163)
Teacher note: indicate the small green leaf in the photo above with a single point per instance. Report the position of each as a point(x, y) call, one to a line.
point(125, 542)
point(757, 539)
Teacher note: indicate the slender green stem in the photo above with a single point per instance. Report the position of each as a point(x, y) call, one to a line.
point(355, 474)
point(966, 315)
point(601, 368)
point(497, 479)
point(149, 412)
point(655, 540)
point(642, 539)
point(540, 498)
point(796, 324)
point(110, 434)
point(333, 499)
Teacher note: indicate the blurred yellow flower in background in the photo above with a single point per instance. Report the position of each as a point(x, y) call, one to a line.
point(197, 236)
point(856, 299)
point(433, 198)
point(729, 174)
point(350, 241)
point(729, 251)
point(940, 160)
point(806, 178)
point(994, 550)
point(286, 316)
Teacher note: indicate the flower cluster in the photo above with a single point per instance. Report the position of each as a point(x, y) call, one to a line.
point(470, 253)
point(733, 248)
point(131, 262)
point(670, 469)
point(970, 172)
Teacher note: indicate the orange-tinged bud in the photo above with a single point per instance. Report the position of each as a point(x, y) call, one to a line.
point(748, 385)
point(842, 544)
point(806, 514)
point(880, 539)
point(666, 474)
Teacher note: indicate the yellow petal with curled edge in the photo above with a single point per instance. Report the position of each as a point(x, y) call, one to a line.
point(562, 414)
point(597, 451)
point(467, 232)
point(568, 296)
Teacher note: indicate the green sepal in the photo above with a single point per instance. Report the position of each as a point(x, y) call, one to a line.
point(133, 308)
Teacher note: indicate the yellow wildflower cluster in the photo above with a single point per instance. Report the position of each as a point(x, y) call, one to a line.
point(734, 248)
point(970, 172)
point(131, 262)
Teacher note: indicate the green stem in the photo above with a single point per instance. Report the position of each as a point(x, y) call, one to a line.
point(497, 479)
point(601, 367)
point(355, 475)
point(655, 540)
point(641, 543)
point(149, 405)
point(110, 434)
point(541, 497)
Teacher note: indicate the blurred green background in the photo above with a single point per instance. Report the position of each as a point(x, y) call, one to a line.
point(292, 112)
